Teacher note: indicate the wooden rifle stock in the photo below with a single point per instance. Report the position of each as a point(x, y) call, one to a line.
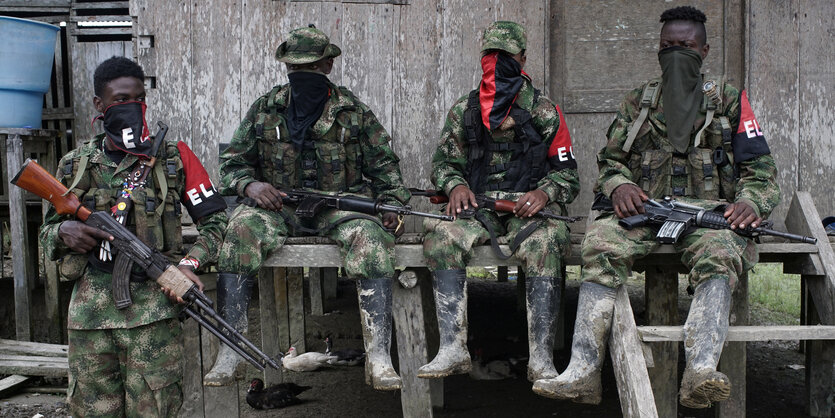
point(34, 178)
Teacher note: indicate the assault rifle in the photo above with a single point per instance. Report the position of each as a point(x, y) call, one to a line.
point(35, 179)
point(310, 204)
point(673, 219)
point(498, 205)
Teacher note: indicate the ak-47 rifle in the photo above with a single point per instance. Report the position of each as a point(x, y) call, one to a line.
point(673, 219)
point(35, 179)
point(498, 205)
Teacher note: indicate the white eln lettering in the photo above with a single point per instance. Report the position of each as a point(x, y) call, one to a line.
point(562, 154)
point(750, 130)
point(206, 193)
point(127, 137)
point(194, 196)
point(571, 152)
point(757, 127)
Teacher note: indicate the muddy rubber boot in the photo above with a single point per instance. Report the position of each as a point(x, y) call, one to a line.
point(543, 301)
point(233, 293)
point(580, 382)
point(450, 288)
point(375, 313)
point(704, 335)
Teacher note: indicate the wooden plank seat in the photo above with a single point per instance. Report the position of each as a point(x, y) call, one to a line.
point(651, 356)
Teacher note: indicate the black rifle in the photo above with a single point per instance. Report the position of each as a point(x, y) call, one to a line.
point(35, 179)
point(498, 205)
point(309, 204)
point(673, 219)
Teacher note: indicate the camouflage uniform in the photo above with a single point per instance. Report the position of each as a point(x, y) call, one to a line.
point(345, 150)
point(609, 250)
point(125, 361)
point(351, 155)
point(447, 245)
point(528, 147)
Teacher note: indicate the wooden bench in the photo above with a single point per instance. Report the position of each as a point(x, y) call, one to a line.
point(644, 391)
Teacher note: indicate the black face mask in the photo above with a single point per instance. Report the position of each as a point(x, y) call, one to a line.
point(309, 94)
point(681, 90)
point(501, 81)
point(124, 124)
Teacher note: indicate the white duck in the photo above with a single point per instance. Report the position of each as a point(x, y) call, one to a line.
point(306, 362)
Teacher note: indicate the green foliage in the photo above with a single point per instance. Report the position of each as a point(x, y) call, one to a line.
point(774, 294)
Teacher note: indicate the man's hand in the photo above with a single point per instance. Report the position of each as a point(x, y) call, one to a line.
point(191, 276)
point(81, 237)
point(628, 200)
point(264, 194)
point(460, 199)
point(530, 203)
point(392, 221)
point(740, 214)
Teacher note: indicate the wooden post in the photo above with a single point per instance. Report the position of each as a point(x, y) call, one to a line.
point(661, 292)
point(819, 356)
point(634, 388)
point(295, 303)
point(219, 401)
point(734, 357)
point(501, 274)
point(329, 281)
point(20, 241)
point(269, 323)
point(192, 371)
point(282, 308)
point(411, 348)
point(316, 292)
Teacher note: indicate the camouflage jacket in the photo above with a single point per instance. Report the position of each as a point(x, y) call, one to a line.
point(156, 224)
point(449, 163)
point(349, 150)
point(652, 164)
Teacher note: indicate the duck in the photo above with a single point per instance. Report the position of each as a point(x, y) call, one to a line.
point(306, 362)
point(344, 357)
point(276, 396)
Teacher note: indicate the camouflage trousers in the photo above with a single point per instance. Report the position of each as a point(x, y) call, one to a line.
point(135, 372)
point(253, 233)
point(448, 245)
point(609, 251)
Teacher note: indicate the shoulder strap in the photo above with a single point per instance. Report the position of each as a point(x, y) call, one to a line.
point(82, 167)
point(649, 100)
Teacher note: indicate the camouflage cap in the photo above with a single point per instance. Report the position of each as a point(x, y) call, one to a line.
point(507, 36)
point(306, 45)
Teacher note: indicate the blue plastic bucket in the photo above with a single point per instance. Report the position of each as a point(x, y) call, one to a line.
point(27, 48)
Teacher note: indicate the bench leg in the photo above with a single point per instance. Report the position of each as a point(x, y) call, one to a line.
point(734, 357)
point(317, 296)
point(295, 299)
point(329, 282)
point(501, 274)
point(661, 291)
point(627, 354)
point(819, 362)
point(269, 322)
point(192, 371)
point(411, 348)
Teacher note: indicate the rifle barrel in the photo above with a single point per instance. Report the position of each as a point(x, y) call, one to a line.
point(787, 235)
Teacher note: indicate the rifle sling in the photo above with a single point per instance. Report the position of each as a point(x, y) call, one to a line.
point(325, 230)
point(517, 240)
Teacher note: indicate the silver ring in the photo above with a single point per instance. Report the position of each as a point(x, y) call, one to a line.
point(528, 203)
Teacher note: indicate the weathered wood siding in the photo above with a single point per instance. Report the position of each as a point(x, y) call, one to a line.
point(410, 62)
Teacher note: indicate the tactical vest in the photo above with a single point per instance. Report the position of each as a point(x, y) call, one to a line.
point(155, 217)
point(705, 171)
point(330, 163)
point(528, 162)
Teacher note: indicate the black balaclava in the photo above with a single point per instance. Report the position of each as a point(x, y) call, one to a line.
point(309, 93)
point(682, 93)
point(124, 124)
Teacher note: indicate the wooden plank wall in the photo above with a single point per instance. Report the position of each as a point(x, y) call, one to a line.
point(411, 62)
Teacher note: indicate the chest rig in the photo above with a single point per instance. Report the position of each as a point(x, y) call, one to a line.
point(705, 171)
point(528, 161)
point(330, 162)
point(156, 209)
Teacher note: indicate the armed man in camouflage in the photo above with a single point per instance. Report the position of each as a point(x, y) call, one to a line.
point(508, 141)
point(311, 135)
point(696, 139)
point(127, 362)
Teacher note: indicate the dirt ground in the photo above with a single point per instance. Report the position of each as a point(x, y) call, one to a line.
point(775, 372)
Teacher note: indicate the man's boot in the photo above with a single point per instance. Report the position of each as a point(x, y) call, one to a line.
point(580, 382)
point(375, 313)
point(233, 293)
point(450, 288)
point(543, 301)
point(704, 335)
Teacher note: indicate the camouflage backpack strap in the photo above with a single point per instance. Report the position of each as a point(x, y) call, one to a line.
point(476, 168)
point(649, 100)
point(82, 168)
point(711, 103)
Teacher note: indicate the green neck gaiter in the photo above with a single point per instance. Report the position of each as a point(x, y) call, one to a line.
point(681, 92)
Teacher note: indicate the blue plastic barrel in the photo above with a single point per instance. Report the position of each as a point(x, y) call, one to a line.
point(27, 48)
